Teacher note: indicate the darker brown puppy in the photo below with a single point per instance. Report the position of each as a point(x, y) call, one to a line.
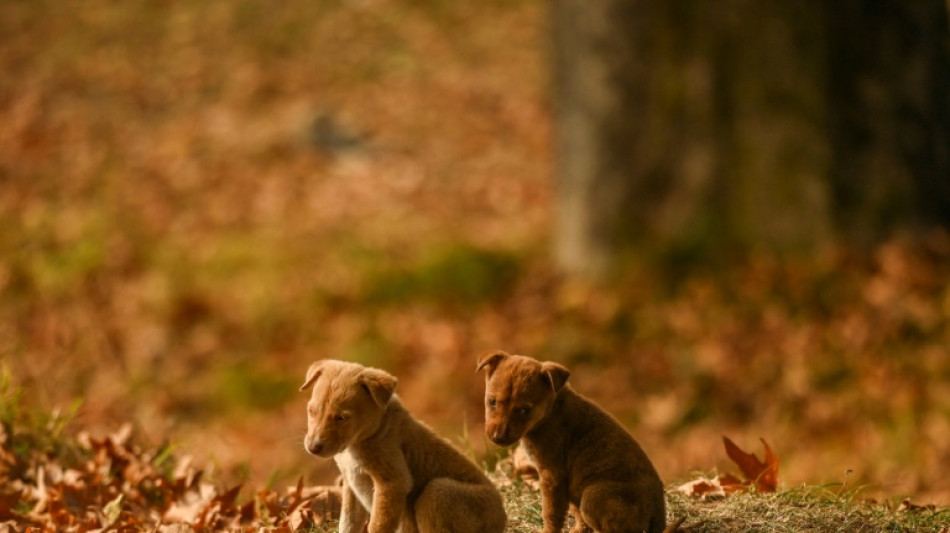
point(587, 461)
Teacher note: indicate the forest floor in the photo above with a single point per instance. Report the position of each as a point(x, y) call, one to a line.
point(199, 199)
point(53, 479)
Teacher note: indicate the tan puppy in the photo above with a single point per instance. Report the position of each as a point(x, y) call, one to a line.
point(586, 460)
point(397, 474)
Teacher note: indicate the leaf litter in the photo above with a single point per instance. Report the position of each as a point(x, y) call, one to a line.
point(112, 484)
point(86, 484)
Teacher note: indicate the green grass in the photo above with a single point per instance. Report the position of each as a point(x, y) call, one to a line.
point(25, 432)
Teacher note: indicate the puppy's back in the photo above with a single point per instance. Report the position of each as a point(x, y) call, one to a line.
point(449, 491)
point(430, 456)
point(606, 449)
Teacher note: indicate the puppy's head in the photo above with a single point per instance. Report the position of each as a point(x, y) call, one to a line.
point(346, 405)
point(519, 393)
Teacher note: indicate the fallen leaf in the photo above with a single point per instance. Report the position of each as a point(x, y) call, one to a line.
point(731, 483)
point(8, 500)
point(763, 474)
point(703, 488)
point(326, 505)
point(186, 511)
point(300, 517)
point(111, 510)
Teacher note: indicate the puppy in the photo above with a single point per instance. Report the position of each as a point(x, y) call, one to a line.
point(397, 474)
point(586, 460)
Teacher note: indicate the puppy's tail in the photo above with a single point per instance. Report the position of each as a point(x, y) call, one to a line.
point(674, 527)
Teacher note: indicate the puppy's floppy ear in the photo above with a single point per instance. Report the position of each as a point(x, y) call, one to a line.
point(491, 360)
point(379, 384)
point(312, 374)
point(556, 374)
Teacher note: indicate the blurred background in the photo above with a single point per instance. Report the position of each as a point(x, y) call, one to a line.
point(725, 218)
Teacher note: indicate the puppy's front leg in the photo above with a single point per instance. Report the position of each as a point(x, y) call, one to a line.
point(389, 501)
point(353, 516)
point(389, 504)
point(579, 525)
point(554, 501)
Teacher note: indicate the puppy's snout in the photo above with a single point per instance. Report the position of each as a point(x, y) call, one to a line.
point(314, 446)
point(499, 435)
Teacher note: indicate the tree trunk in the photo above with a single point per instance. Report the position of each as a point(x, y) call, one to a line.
point(754, 124)
point(889, 84)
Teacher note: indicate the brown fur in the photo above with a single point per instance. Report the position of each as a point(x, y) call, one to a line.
point(398, 475)
point(587, 461)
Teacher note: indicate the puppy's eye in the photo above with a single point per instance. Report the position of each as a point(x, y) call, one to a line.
point(340, 418)
point(492, 402)
point(523, 411)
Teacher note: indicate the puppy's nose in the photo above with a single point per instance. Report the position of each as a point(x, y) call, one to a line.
point(498, 436)
point(314, 446)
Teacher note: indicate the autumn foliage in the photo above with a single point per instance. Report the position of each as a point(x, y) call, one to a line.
point(110, 484)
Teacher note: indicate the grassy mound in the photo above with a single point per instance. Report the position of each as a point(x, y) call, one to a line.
point(806, 509)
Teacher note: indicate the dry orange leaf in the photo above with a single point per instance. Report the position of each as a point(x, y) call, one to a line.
point(764, 474)
point(703, 488)
point(730, 483)
point(761, 474)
